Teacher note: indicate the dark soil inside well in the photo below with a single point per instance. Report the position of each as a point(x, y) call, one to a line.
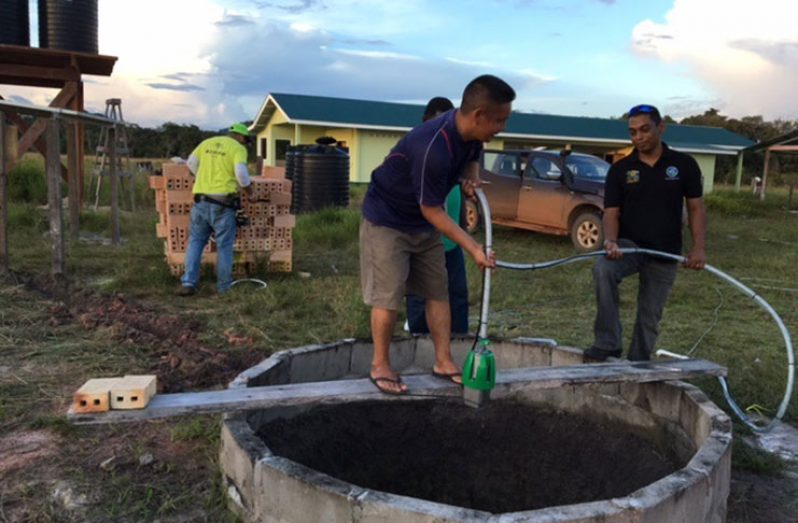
point(505, 457)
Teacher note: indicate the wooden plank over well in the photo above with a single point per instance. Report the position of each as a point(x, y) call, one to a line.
point(421, 386)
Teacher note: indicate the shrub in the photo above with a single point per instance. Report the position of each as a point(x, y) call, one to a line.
point(27, 183)
point(330, 227)
point(26, 216)
point(734, 203)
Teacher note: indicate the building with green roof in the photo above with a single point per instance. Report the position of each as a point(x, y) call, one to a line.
point(369, 129)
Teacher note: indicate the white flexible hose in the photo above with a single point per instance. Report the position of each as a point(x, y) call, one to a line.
point(728, 279)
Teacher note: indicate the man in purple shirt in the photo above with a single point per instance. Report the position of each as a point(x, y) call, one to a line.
point(403, 217)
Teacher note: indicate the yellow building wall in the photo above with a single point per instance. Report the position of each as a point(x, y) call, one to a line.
point(279, 129)
point(307, 134)
point(496, 143)
point(371, 148)
point(707, 164)
point(277, 132)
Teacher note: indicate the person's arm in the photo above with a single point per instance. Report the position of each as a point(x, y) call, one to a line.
point(243, 179)
point(611, 222)
point(442, 222)
point(470, 180)
point(611, 218)
point(697, 218)
point(193, 164)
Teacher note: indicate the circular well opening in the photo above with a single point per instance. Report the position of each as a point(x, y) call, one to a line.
point(505, 457)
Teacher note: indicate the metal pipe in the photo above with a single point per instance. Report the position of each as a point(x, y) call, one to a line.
point(48, 112)
point(487, 223)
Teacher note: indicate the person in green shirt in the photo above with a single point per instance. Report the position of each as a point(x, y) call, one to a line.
point(219, 165)
point(455, 261)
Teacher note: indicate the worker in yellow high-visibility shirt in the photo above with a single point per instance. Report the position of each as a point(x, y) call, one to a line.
point(220, 167)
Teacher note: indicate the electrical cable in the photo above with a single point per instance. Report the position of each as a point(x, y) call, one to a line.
point(261, 284)
point(728, 279)
point(715, 316)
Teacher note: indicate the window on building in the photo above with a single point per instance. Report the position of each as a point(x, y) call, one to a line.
point(280, 148)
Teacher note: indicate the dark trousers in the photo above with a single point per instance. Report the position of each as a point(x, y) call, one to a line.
point(656, 279)
point(458, 298)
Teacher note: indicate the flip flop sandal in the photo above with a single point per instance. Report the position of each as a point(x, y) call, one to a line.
point(449, 376)
point(398, 381)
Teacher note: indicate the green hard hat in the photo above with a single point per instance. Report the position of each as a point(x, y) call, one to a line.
point(239, 128)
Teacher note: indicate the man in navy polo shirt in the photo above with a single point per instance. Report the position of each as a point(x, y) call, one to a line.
point(403, 217)
point(643, 205)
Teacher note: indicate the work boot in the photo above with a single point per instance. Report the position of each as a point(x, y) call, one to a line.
point(186, 290)
point(601, 354)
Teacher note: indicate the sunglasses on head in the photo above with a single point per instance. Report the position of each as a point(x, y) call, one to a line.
point(642, 109)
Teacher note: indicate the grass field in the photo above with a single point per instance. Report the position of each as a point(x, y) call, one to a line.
point(52, 340)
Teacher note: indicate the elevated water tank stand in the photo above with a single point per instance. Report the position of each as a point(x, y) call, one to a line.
point(64, 70)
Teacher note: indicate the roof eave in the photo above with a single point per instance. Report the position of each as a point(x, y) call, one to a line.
point(370, 127)
point(550, 137)
point(256, 126)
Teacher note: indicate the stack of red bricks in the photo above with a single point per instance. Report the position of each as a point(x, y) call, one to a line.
point(265, 242)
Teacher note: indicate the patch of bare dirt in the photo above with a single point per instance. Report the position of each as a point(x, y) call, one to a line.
point(763, 498)
point(180, 360)
point(26, 448)
point(97, 474)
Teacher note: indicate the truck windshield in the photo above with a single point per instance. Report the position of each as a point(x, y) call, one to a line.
point(587, 167)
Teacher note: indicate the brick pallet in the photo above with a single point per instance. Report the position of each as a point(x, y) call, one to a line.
point(266, 241)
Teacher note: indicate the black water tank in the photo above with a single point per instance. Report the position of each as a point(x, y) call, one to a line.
point(69, 25)
point(14, 22)
point(290, 155)
point(321, 177)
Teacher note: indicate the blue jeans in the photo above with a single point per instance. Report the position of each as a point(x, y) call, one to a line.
point(656, 279)
point(458, 298)
point(207, 218)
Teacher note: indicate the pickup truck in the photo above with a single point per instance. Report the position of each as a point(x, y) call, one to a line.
point(552, 192)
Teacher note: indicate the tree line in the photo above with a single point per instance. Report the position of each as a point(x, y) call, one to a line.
point(165, 141)
point(783, 167)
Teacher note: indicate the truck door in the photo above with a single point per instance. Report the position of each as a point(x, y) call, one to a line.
point(501, 178)
point(542, 196)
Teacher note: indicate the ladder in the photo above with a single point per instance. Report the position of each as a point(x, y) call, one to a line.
point(101, 168)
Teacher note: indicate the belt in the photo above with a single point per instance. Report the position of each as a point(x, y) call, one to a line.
point(225, 201)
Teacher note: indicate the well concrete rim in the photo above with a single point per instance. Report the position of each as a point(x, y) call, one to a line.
point(709, 463)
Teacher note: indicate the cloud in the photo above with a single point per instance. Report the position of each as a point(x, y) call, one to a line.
point(210, 62)
point(376, 54)
point(232, 20)
point(743, 52)
point(777, 53)
point(300, 6)
point(175, 87)
point(180, 76)
point(362, 41)
point(17, 99)
point(311, 62)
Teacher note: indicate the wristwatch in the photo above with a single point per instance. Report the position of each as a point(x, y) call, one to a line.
point(609, 241)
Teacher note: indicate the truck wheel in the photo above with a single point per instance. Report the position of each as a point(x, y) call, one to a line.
point(587, 233)
point(472, 218)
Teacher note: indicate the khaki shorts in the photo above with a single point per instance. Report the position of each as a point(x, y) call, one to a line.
point(395, 263)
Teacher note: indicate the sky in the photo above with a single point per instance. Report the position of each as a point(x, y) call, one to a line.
point(213, 62)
